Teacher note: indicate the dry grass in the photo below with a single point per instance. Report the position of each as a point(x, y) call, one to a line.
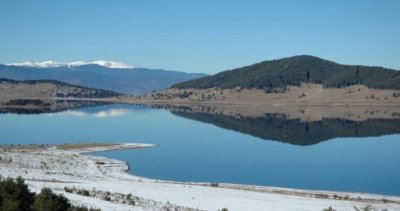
point(28, 91)
point(309, 102)
point(307, 94)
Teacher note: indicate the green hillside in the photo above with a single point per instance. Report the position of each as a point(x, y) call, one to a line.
point(277, 74)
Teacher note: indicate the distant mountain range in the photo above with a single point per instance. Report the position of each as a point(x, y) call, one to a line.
point(278, 74)
point(51, 63)
point(101, 74)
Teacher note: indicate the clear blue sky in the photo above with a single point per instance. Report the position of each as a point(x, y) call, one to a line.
point(200, 36)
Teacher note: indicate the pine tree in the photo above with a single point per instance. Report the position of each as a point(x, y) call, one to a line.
point(48, 201)
point(15, 195)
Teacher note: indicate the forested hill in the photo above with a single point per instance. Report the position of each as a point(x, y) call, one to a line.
point(14, 89)
point(294, 70)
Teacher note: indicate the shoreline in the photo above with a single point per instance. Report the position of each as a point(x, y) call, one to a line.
point(306, 94)
point(76, 170)
point(304, 112)
point(247, 187)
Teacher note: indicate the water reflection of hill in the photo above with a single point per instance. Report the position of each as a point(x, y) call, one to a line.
point(47, 106)
point(278, 127)
point(293, 124)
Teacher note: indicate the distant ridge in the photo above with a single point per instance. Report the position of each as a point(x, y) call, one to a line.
point(107, 75)
point(62, 89)
point(277, 74)
point(51, 63)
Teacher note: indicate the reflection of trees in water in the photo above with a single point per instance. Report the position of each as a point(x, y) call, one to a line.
point(271, 126)
point(47, 106)
point(293, 131)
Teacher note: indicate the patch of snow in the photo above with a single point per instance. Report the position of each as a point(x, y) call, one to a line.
point(51, 63)
point(57, 169)
point(111, 64)
point(77, 63)
point(45, 64)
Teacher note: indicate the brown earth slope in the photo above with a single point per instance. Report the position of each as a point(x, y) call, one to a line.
point(304, 95)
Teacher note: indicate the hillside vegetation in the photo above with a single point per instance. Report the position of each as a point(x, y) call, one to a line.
point(12, 89)
point(305, 94)
point(276, 75)
point(15, 195)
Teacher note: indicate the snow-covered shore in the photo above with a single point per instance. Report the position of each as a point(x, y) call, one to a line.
point(109, 187)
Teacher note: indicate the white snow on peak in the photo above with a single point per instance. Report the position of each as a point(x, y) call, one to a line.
point(51, 63)
point(77, 63)
point(45, 64)
point(111, 64)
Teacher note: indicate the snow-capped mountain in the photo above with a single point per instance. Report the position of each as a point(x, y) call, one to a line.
point(51, 63)
point(111, 64)
point(123, 78)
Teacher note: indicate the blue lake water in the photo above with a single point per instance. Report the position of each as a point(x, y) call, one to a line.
point(190, 150)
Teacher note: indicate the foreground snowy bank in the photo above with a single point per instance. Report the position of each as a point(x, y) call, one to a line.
point(103, 183)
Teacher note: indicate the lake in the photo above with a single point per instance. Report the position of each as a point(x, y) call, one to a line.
point(272, 150)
